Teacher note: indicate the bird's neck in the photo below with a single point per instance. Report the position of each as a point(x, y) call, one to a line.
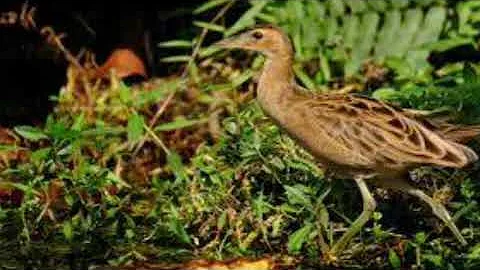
point(276, 82)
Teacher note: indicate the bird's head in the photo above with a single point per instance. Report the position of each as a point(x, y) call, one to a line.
point(269, 40)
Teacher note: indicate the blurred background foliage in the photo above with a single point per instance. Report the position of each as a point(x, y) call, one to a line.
point(187, 166)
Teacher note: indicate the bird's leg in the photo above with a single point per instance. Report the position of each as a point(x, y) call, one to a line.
point(439, 211)
point(369, 206)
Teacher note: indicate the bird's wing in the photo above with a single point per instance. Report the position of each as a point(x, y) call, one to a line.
point(381, 134)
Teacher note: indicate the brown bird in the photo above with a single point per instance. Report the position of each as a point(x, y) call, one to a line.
point(353, 136)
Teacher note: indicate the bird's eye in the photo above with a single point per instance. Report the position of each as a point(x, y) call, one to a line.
point(257, 35)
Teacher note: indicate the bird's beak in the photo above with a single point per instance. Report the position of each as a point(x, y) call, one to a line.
point(230, 43)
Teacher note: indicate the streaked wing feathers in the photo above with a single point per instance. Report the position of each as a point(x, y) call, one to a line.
point(380, 134)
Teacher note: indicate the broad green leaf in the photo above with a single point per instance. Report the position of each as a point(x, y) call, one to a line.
point(393, 259)
point(298, 238)
point(135, 127)
point(30, 133)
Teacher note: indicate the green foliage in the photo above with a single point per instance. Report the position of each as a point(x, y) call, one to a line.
point(99, 180)
point(338, 37)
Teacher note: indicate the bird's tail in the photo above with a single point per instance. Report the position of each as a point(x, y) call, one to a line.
point(459, 134)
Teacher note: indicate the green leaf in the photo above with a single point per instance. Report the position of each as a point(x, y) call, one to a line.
point(447, 44)
point(365, 43)
point(209, 26)
point(474, 253)
point(378, 5)
point(175, 164)
point(297, 195)
point(400, 66)
point(125, 94)
point(469, 74)
point(350, 31)
point(324, 216)
point(209, 5)
point(40, 154)
point(398, 4)
point(429, 32)
point(222, 220)
point(388, 34)
point(177, 228)
point(179, 123)
point(240, 79)
point(79, 123)
point(208, 51)
point(299, 237)
point(176, 44)
point(8, 148)
point(31, 133)
point(303, 77)
point(68, 230)
point(135, 127)
point(247, 19)
point(176, 59)
point(356, 6)
point(337, 8)
point(384, 93)
point(406, 34)
point(420, 238)
point(394, 259)
point(436, 260)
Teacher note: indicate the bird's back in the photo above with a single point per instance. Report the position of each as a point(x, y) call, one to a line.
point(368, 136)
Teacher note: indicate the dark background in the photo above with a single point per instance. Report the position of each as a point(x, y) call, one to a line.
point(30, 71)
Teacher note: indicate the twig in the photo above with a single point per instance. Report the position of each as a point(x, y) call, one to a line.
point(194, 54)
